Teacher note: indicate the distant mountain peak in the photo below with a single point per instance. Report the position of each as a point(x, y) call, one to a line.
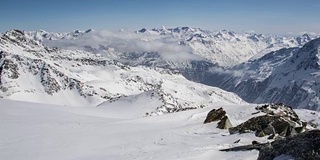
point(14, 32)
point(77, 31)
point(304, 38)
point(89, 30)
point(306, 35)
point(19, 37)
point(143, 30)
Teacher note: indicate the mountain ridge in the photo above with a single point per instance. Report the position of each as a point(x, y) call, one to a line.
point(227, 48)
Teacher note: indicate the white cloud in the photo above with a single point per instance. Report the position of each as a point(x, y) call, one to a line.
point(237, 73)
point(167, 47)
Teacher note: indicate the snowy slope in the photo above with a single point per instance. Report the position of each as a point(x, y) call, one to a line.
point(33, 72)
point(38, 131)
point(32, 131)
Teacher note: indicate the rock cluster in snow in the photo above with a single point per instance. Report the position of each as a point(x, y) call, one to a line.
point(300, 147)
point(291, 138)
point(279, 121)
point(303, 146)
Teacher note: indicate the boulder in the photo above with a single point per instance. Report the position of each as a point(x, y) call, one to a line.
point(215, 115)
point(218, 115)
point(224, 123)
point(256, 146)
point(300, 147)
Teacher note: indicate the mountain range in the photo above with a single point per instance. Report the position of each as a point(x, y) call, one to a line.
point(30, 71)
point(258, 68)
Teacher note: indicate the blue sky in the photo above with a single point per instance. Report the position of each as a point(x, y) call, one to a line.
point(271, 16)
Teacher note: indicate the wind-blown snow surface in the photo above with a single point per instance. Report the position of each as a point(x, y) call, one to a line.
point(38, 131)
point(32, 131)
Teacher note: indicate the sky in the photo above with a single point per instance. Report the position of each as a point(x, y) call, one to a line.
point(261, 16)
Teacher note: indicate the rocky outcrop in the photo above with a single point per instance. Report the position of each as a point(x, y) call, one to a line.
point(301, 147)
point(218, 115)
point(304, 146)
point(224, 123)
point(279, 120)
point(215, 115)
point(255, 145)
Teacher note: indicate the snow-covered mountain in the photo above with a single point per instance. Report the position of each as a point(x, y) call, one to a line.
point(43, 35)
point(99, 98)
point(287, 75)
point(30, 71)
point(243, 63)
point(226, 48)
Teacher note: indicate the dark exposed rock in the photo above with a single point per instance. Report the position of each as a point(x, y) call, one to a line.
point(304, 146)
point(218, 115)
point(143, 30)
point(215, 115)
point(257, 146)
point(10, 68)
point(264, 125)
point(224, 123)
point(237, 141)
point(279, 120)
point(50, 84)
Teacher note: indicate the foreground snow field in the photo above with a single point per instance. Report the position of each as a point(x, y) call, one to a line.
point(39, 131)
point(32, 131)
